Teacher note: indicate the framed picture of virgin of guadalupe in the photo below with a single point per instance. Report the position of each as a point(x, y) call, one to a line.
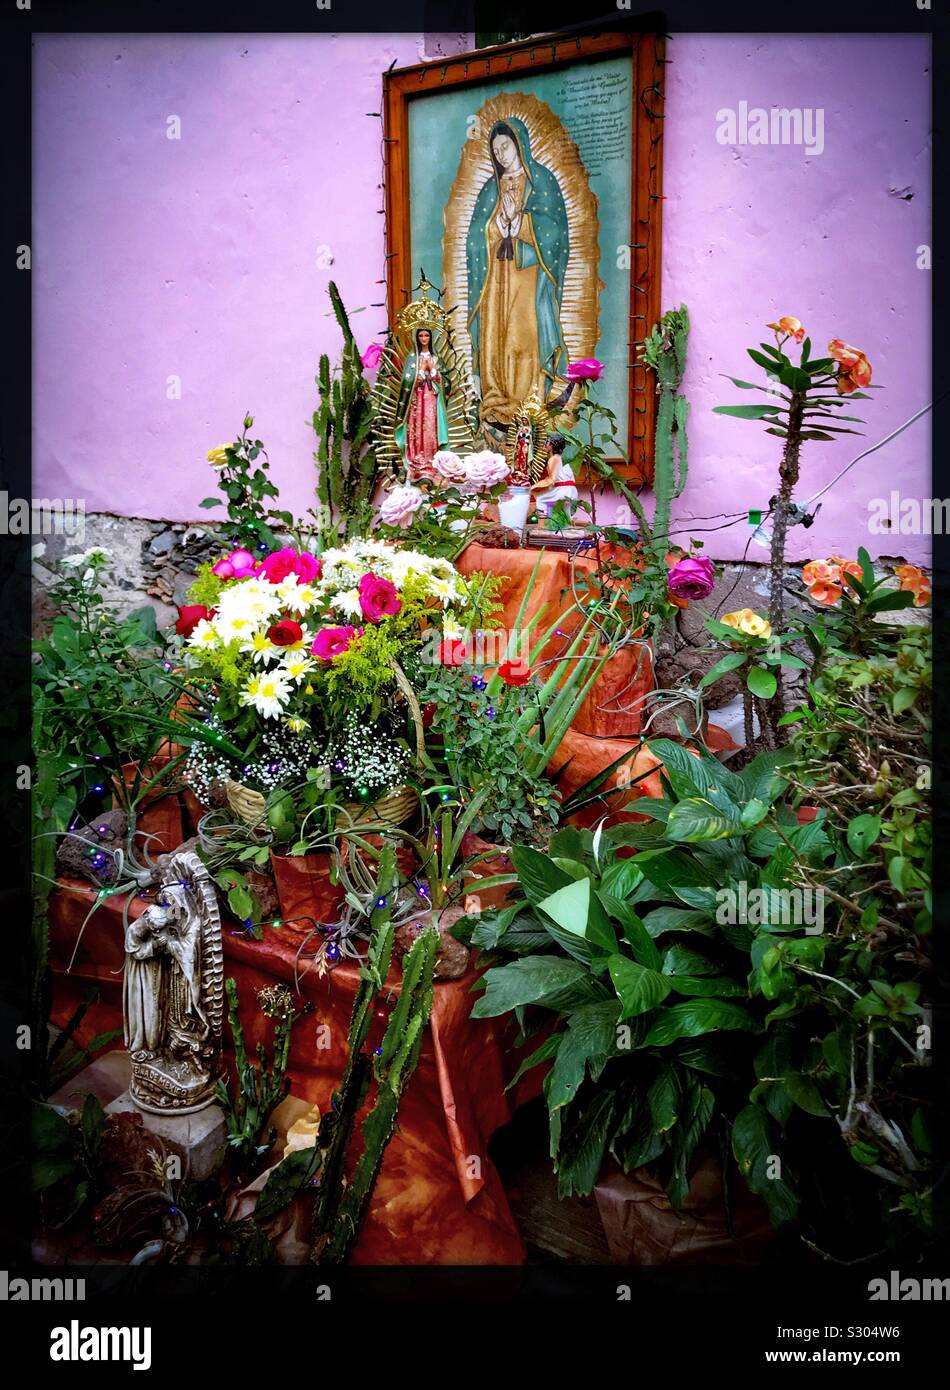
point(525, 182)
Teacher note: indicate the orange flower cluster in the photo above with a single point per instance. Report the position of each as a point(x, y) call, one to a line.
point(824, 579)
point(792, 328)
point(854, 369)
point(914, 581)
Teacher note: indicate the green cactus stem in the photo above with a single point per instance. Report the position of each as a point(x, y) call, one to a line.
point(260, 1085)
point(347, 467)
point(664, 351)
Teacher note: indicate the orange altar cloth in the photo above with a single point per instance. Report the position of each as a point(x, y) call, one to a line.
point(439, 1199)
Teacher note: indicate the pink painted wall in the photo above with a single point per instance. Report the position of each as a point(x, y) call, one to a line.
point(205, 258)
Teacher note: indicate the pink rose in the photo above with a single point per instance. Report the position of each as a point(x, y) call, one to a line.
point(484, 470)
point(401, 505)
point(692, 577)
point(371, 356)
point(331, 641)
point(276, 567)
point(240, 564)
point(448, 466)
point(587, 369)
point(378, 598)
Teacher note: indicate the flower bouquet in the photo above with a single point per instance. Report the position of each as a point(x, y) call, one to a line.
point(442, 509)
point(304, 656)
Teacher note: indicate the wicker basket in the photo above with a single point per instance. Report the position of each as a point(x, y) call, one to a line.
point(398, 805)
point(394, 808)
point(248, 805)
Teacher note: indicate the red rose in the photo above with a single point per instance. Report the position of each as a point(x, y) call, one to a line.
point(190, 616)
point(452, 652)
point(285, 633)
point(516, 672)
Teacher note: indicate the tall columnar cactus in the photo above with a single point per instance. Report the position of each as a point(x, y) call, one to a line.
point(392, 1066)
point(342, 422)
point(339, 1205)
point(340, 1202)
point(664, 350)
point(259, 1086)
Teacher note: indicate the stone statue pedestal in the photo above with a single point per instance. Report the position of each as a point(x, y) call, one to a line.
point(199, 1139)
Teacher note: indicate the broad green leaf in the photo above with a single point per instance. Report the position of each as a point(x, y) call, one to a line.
point(621, 877)
point(691, 1019)
point(47, 1171)
point(903, 699)
point(703, 986)
point(664, 919)
point(536, 979)
point(867, 567)
point(862, 833)
point(756, 1150)
point(805, 1093)
point(539, 877)
point(761, 682)
point(753, 813)
point(729, 662)
point(640, 941)
point(569, 906)
point(891, 600)
point(581, 1152)
point(543, 1053)
point(589, 1041)
point(51, 1133)
point(703, 773)
point(639, 989)
point(663, 1099)
point(695, 819)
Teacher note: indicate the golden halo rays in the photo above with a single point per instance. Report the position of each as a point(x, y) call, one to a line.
point(552, 146)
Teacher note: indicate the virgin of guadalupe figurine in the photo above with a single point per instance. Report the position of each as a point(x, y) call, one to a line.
point(521, 462)
point(422, 400)
point(517, 249)
point(423, 427)
point(173, 993)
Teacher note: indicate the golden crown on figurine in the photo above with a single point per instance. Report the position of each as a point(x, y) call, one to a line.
point(421, 313)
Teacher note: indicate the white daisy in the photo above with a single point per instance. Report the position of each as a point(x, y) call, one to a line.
point(204, 634)
point(267, 693)
point(296, 666)
point(260, 647)
point(348, 601)
point(301, 598)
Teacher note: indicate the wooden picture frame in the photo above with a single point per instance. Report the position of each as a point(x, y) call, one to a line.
point(506, 64)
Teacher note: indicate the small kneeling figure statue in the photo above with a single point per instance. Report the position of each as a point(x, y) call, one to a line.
point(557, 483)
